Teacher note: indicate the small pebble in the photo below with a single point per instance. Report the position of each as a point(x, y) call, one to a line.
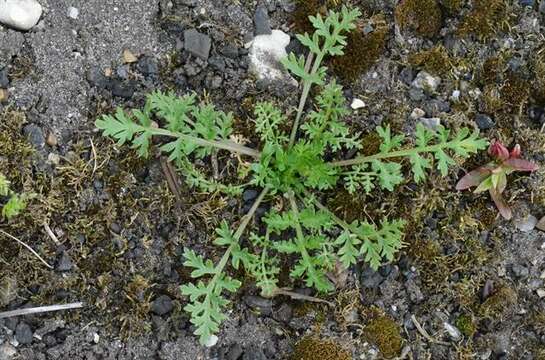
point(64, 263)
point(283, 314)
point(455, 95)
point(416, 94)
point(357, 104)
point(162, 305)
point(4, 80)
point(51, 139)
point(122, 89)
point(261, 21)
point(526, 224)
point(73, 12)
point(259, 303)
point(129, 57)
point(148, 66)
point(35, 135)
point(197, 44)
point(484, 122)
point(20, 14)
point(426, 82)
point(452, 331)
point(211, 341)
point(431, 123)
point(3, 95)
point(53, 159)
point(235, 352)
point(540, 293)
point(7, 351)
point(249, 195)
point(266, 52)
point(23, 333)
point(541, 224)
point(488, 288)
point(417, 113)
point(520, 271)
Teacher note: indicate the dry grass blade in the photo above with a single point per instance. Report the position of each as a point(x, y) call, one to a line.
point(297, 296)
point(172, 179)
point(40, 309)
point(28, 247)
point(51, 234)
point(425, 334)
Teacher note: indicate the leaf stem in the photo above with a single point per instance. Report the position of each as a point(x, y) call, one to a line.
point(389, 155)
point(300, 236)
point(240, 230)
point(322, 207)
point(219, 144)
point(304, 95)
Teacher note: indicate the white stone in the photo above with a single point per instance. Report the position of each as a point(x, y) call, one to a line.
point(266, 52)
point(526, 224)
point(455, 95)
point(431, 123)
point(426, 82)
point(357, 104)
point(20, 14)
point(211, 341)
point(73, 12)
point(540, 293)
point(7, 351)
point(453, 331)
point(417, 113)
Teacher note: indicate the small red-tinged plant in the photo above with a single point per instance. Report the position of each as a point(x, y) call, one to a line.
point(493, 175)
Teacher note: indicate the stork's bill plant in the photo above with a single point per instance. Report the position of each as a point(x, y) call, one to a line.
point(291, 165)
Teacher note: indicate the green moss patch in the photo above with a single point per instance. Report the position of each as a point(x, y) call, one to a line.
point(362, 50)
point(423, 17)
point(485, 18)
point(313, 349)
point(385, 334)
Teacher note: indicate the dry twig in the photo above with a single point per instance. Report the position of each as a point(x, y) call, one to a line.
point(25, 245)
point(40, 309)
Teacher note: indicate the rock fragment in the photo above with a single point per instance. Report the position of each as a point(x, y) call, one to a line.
point(129, 57)
point(4, 81)
point(426, 82)
point(541, 224)
point(357, 104)
point(162, 305)
point(526, 223)
point(23, 333)
point(484, 122)
point(72, 13)
point(265, 55)
point(261, 21)
point(197, 44)
point(20, 14)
